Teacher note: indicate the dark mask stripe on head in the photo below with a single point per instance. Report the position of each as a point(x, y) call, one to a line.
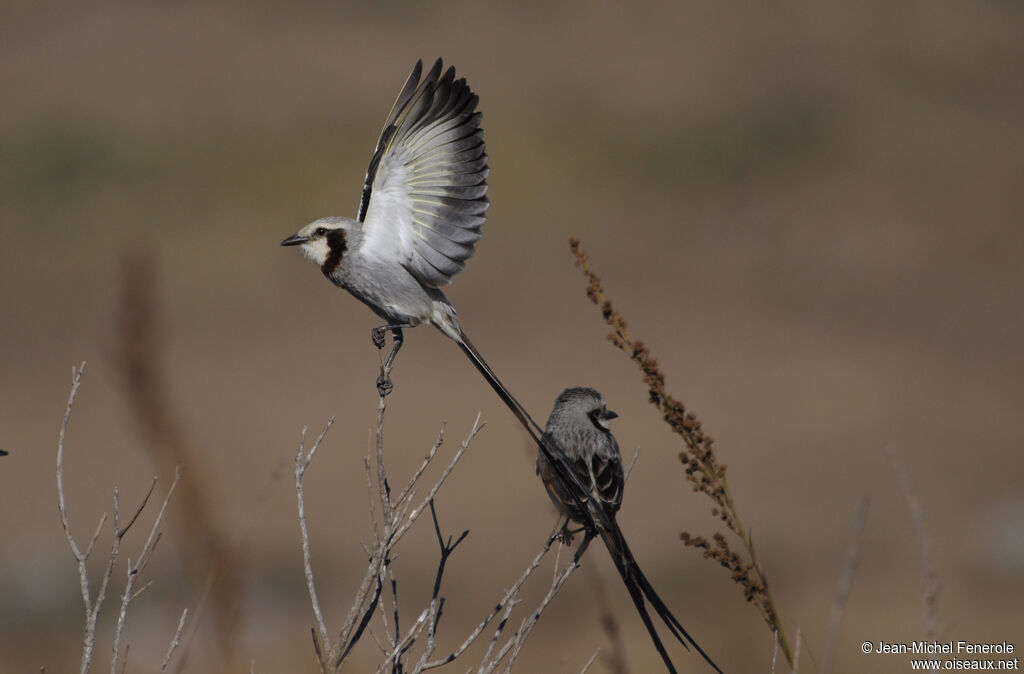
point(335, 250)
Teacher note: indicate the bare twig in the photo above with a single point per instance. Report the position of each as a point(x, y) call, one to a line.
point(407, 493)
point(796, 650)
point(80, 557)
point(929, 575)
point(515, 643)
point(174, 641)
point(415, 513)
point(383, 488)
point(393, 514)
point(141, 562)
point(392, 517)
point(590, 661)
point(302, 461)
point(94, 605)
point(845, 582)
point(632, 462)
point(505, 605)
point(436, 607)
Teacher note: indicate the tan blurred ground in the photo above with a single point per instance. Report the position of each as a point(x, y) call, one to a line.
point(811, 212)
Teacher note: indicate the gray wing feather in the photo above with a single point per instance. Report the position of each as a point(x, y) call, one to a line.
point(424, 201)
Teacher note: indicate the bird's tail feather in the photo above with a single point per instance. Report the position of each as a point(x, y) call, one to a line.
point(639, 588)
point(636, 583)
point(518, 410)
point(565, 471)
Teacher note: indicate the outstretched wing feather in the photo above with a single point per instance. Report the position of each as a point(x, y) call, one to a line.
point(425, 201)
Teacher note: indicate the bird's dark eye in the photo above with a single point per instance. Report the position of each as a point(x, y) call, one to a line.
point(320, 231)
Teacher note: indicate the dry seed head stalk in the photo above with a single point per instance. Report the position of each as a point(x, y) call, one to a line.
point(701, 467)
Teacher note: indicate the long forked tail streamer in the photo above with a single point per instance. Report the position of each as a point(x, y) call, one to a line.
point(639, 588)
point(520, 413)
point(599, 522)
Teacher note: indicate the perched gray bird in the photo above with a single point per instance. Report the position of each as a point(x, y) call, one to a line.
point(579, 430)
point(423, 204)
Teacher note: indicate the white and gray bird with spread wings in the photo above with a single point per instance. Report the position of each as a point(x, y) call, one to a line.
point(423, 205)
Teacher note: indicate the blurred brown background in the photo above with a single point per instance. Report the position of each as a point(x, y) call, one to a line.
point(811, 212)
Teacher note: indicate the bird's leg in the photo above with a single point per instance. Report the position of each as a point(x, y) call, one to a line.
point(562, 533)
point(396, 338)
point(377, 335)
point(587, 537)
point(566, 535)
point(384, 385)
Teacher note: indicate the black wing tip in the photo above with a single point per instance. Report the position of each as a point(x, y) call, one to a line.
point(435, 71)
point(448, 77)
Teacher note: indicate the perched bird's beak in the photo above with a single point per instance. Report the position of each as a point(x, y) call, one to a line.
point(609, 415)
point(294, 240)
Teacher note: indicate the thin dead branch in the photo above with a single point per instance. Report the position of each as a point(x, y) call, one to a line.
point(142, 560)
point(93, 605)
point(929, 573)
point(393, 514)
point(174, 641)
point(845, 582)
point(302, 462)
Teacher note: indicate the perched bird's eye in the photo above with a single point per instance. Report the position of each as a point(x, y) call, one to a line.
point(320, 231)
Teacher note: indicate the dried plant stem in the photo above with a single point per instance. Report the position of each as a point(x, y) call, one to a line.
point(175, 641)
point(143, 559)
point(589, 662)
point(392, 517)
point(700, 462)
point(393, 513)
point(504, 606)
point(515, 643)
point(929, 575)
point(302, 461)
point(797, 649)
point(94, 605)
point(845, 582)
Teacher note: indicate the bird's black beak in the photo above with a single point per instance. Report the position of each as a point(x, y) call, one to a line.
point(608, 415)
point(295, 240)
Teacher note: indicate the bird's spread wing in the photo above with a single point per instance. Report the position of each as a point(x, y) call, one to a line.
point(424, 199)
